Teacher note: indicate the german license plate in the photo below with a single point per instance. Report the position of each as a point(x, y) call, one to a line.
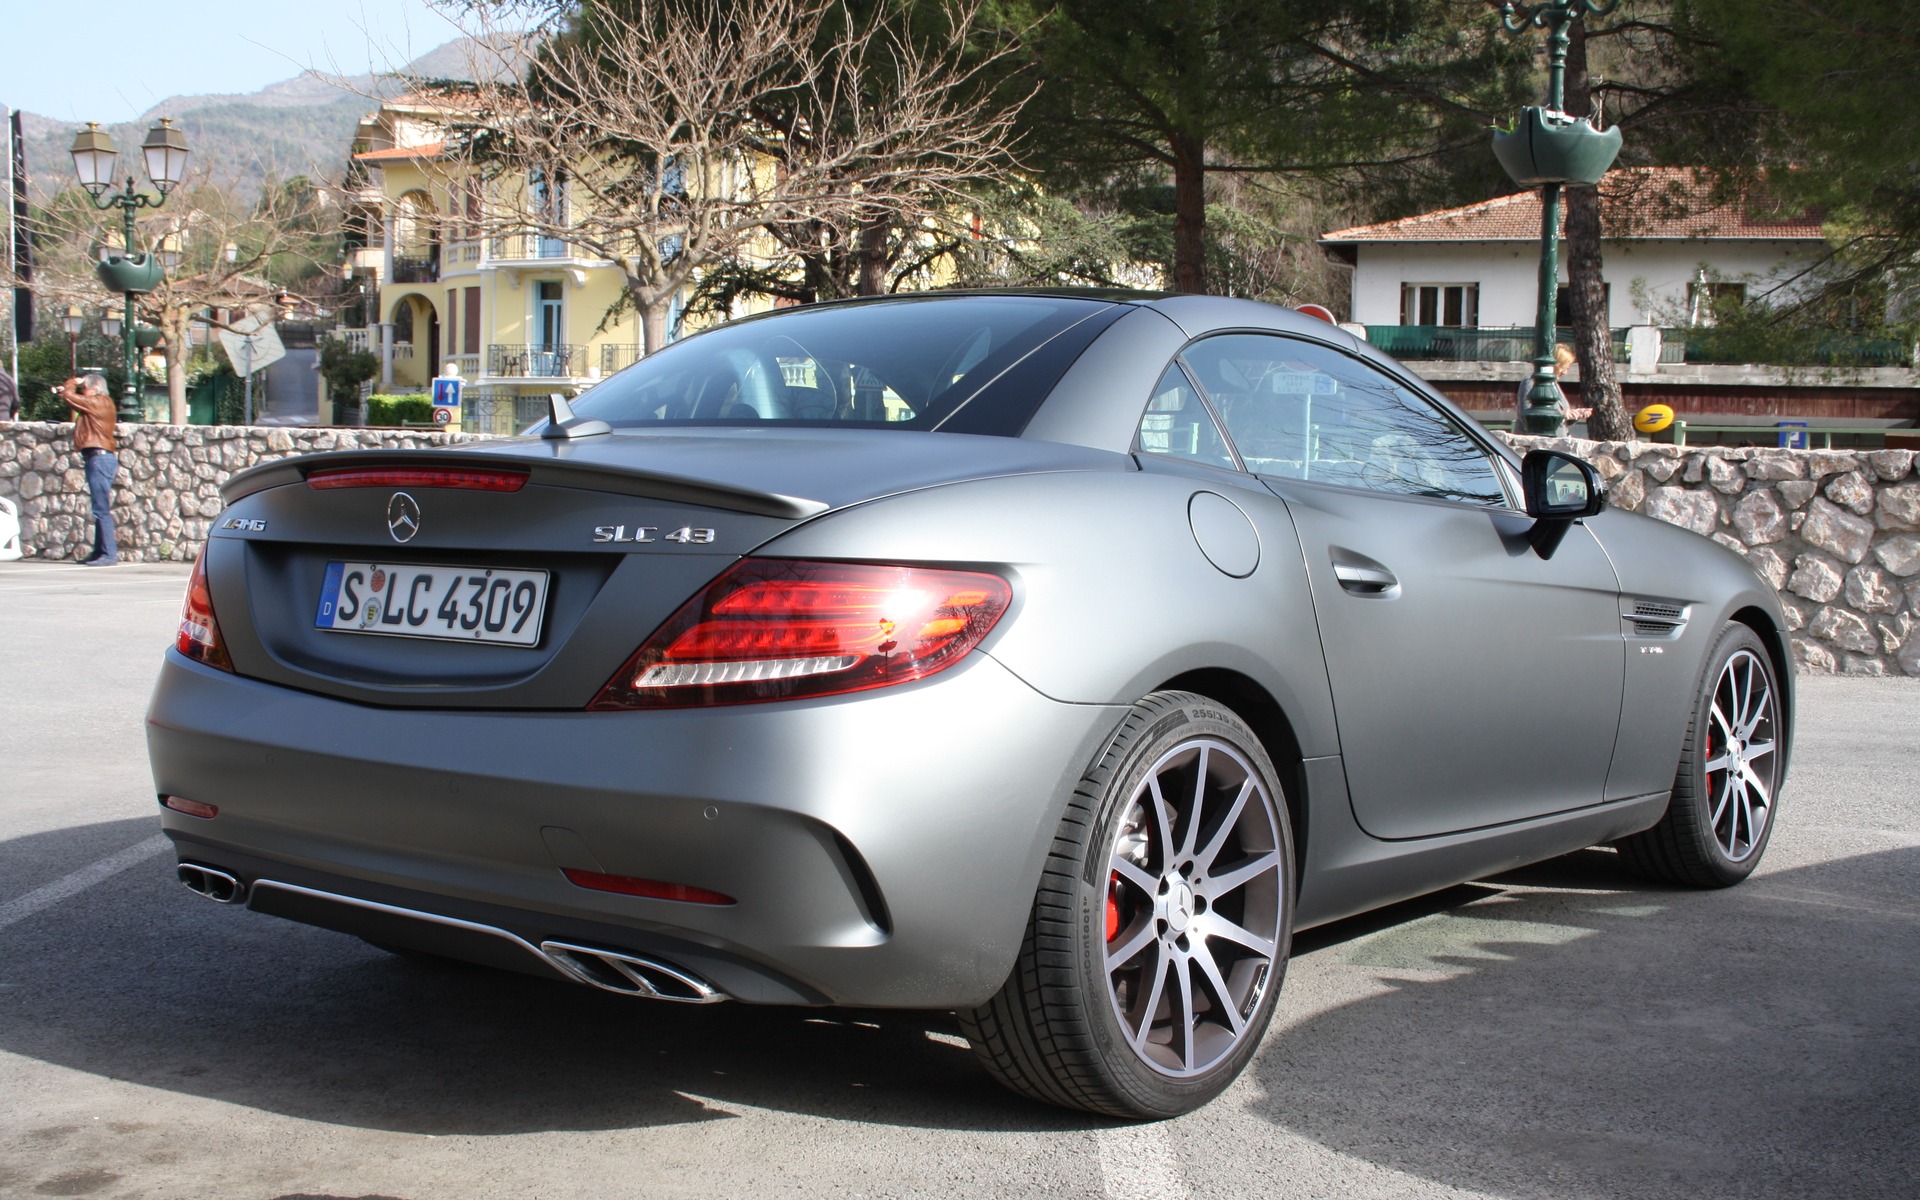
point(461, 604)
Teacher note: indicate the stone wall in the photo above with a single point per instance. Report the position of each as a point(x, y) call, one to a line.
point(168, 488)
point(1837, 533)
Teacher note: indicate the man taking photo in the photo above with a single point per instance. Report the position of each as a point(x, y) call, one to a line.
point(94, 435)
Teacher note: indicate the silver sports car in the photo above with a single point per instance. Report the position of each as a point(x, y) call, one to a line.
point(1045, 657)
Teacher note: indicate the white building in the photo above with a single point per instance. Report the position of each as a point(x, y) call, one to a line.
point(1670, 246)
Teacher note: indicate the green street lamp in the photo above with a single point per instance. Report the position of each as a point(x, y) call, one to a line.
point(1549, 148)
point(94, 156)
point(73, 323)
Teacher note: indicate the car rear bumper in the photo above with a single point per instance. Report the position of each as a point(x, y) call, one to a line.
point(882, 848)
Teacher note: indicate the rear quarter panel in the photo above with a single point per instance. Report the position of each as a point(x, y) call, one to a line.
point(1113, 595)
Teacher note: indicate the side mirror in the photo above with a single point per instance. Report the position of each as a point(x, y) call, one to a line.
point(1560, 489)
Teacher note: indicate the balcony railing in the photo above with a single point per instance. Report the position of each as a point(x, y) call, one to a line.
point(1715, 346)
point(416, 270)
point(1468, 343)
point(503, 413)
point(512, 247)
point(467, 364)
point(536, 362)
point(615, 357)
point(1703, 346)
point(369, 339)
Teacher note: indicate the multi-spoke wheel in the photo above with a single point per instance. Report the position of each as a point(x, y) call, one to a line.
point(1728, 783)
point(1160, 931)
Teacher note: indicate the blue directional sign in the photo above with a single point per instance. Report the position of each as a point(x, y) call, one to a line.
point(446, 401)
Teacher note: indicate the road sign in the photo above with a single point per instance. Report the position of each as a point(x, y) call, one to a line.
point(252, 343)
point(446, 400)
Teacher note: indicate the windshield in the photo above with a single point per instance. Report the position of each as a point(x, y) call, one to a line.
point(970, 364)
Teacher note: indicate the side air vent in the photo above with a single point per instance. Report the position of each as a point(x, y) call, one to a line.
point(1658, 618)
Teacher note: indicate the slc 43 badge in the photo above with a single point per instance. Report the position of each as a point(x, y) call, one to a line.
point(686, 535)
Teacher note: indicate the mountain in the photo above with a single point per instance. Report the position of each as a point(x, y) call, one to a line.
point(299, 126)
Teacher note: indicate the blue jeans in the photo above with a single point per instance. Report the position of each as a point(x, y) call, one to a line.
point(102, 466)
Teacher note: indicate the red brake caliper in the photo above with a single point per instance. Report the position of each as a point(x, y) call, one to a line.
point(1113, 906)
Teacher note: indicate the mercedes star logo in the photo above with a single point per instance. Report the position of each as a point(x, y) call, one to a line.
point(403, 517)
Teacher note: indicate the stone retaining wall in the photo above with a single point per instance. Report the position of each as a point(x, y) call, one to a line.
point(1837, 533)
point(168, 488)
point(1834, 532)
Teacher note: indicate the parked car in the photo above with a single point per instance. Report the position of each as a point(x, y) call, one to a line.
point(1045, 657)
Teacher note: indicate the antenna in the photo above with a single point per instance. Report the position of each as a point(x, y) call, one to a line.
point(562, 424)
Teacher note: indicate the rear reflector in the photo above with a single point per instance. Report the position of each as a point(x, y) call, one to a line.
point(652, 889)
point(199, 637)
point(192, 808)
point(466, 479)
point(780, 629)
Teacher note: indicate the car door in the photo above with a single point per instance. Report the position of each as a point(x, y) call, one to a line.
point(1474, 682)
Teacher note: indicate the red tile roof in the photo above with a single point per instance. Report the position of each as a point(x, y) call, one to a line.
point(398, 153)
point(1635, 203)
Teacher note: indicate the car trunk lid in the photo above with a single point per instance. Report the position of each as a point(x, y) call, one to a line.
point(617, 530)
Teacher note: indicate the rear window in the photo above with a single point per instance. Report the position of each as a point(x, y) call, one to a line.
point(965, 364)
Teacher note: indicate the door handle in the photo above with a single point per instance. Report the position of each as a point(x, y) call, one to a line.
point(1366, 581)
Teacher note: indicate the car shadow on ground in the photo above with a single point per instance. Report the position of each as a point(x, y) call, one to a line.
point(1616, 1038)
point(1606, 1038)
point(137, 979)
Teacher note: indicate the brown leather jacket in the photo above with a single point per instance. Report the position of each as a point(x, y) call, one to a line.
point(94, 420)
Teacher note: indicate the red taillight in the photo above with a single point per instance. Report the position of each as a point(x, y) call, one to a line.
point(466, 479)
point(777, 629)
point(192, 808)
point(653, 889)
point(199, 636)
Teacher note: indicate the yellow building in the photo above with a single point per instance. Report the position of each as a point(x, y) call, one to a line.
point(517, 316)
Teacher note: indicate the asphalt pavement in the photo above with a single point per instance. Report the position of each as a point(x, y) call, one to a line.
point(1566, 1031)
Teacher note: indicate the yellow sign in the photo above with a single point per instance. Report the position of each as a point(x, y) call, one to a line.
point(1653, 418)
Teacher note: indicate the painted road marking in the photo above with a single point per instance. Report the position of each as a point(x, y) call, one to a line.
point(14, 911)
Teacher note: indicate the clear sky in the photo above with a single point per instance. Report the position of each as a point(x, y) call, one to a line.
point(111, 60)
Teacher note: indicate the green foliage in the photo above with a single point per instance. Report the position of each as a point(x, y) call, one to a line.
point(1837, 76)
point(1841, 325)
point(45, 364)
point(345, 369)
point(1139, 93)
point(416, 407)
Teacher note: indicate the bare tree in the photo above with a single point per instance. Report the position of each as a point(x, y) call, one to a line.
point(668, 136)
point(282, 233)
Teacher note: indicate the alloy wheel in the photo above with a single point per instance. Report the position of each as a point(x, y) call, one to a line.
point(1740, 758)
point(1196, 897)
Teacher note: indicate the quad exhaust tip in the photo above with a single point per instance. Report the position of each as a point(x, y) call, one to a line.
point(630, 975)
point(216, 885)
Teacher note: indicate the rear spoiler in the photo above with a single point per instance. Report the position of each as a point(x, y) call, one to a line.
point(545, 472)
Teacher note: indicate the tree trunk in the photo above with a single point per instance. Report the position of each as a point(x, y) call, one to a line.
point(653, 321)
point(1189, 214)
point(873, 255)
point(173, 324)
point(1587, 292)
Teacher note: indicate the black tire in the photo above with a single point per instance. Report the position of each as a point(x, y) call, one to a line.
point(1067, 1029)
point(1727, 789)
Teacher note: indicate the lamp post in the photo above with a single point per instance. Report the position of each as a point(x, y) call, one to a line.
point(1542, 415)
point(73, 323)
point(94, 155)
